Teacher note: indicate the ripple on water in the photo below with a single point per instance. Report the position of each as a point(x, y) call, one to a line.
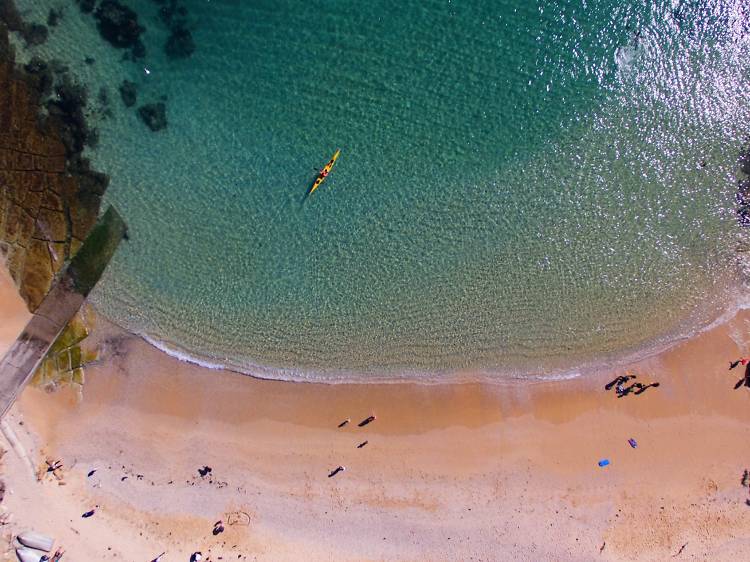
point(520, 189)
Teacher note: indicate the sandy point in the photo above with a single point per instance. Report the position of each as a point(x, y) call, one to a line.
point(449, 472)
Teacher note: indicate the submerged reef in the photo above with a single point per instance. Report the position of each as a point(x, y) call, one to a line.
point(119, 26)
point(128, 93)
point(31, 33)
point(154, 115)
point(180, 44)
point(49, 195)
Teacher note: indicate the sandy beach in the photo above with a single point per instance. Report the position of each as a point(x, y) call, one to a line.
point(450, 472)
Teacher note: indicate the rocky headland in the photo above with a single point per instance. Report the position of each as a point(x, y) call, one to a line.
point(49, 195)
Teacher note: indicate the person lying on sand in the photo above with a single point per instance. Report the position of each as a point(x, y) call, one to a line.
point(336, 470)
point(636, 388)
point(641, 388)
point(365, 421)
point(346, 421)
point(56, 557)
point(740, 361)
point(745, 380)
point(362, 444)
point(618, 381)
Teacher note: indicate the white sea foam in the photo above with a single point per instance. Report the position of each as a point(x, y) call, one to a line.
point(480, 376)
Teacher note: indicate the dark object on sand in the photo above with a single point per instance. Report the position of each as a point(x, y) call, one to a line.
point(745, 380)
point(88, 514)
point(128, 93)
point(346, 421)
point(196, 556)
point(91, 473)
point(633, 443)
point(335, 471)
point(740, 361)
point(154, 115)
point(618, 381)
point(205, 470)
point(53, 466)
point(636, 388)
point(640, 388)
point(365, 421)
point(362, 444)
point(745, 478)
point(123, 479)
point(118, 25)
point(180, 44)
point(218, 528)
point(158, 558)
point(680, 551)
point(603, 462)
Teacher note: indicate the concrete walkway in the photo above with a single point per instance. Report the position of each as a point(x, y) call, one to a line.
point(60, 304)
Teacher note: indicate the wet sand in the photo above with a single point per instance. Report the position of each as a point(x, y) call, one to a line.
point(450, 472)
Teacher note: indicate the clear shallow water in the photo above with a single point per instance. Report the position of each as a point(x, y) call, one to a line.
point(520, 189)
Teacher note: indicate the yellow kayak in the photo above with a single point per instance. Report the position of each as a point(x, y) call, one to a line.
point(324, 172)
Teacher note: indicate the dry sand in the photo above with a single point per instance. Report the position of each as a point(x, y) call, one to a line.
point(451, 472)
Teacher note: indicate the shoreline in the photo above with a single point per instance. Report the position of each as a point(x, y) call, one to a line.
point(508, 471)
point(601, 364)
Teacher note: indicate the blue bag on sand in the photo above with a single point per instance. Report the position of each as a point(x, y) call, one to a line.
point(604, 462)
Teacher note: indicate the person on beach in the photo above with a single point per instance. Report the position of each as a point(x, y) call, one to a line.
point(362, 444)
point(745, 380)
point(636, 388)
point(218, 527)
point(641, 388)
point(367, 420)
point(56, 557)
point(336, 470)
point(619, 381)
point(196, 556)
point(740, 361)
point(346, 421)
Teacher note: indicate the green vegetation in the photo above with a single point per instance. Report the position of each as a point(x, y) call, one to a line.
point(67, 358)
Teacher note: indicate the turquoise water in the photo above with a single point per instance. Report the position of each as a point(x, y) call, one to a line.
point(524, 187)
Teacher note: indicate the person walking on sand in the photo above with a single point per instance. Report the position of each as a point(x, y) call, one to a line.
point(367, 420)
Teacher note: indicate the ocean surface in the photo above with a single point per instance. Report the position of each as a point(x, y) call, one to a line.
point(524, 188)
